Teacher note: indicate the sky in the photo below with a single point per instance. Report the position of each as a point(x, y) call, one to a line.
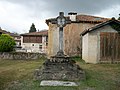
point(18, 15)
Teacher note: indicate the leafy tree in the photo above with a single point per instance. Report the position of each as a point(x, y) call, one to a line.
point(6, 43)
point(32, 28)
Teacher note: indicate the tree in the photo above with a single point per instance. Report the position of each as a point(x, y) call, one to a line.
point(32, 28)
point(7, 43)
point(119, 17)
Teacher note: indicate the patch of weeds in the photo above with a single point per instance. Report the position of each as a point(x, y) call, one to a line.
point(6, 77)
point(78, 59)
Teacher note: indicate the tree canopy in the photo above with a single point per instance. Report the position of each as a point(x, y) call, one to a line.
point(32, 28)
point(7, 43)
point(119, 17)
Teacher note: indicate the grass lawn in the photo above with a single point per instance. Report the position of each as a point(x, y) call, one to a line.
point(18, 75)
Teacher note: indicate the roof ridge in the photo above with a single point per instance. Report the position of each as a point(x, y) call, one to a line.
point(44, 32)
point(91, 15)
point(99, 25)
point(84, 18)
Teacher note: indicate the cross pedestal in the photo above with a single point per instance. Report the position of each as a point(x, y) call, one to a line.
point(60, 66)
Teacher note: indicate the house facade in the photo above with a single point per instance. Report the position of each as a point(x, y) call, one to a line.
point(72, 42)
point(17, 39)
point(35, 41)
point(101, 43)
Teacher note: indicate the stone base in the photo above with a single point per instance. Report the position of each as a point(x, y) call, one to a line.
point(59, 68)
point(57, 83)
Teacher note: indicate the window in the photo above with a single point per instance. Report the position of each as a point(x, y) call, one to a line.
point(40, 47)
point(46, 38)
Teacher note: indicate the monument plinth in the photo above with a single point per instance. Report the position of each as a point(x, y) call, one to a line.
point(60, 66)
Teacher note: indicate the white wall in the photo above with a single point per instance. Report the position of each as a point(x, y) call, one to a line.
point(85, 48)
point(22, 42)
point(92, 48)
point(44, 44)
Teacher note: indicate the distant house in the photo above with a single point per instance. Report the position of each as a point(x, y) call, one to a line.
point(17, 39)
point(15, 36)
point(0, 31)
point(35, 41)
point(101, 43)
point(4, 31)
point(72, 42)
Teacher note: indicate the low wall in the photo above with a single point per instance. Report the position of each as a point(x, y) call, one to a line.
point(20, 56)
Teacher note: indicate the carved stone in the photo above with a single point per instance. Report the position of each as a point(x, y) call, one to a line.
point(59, 68)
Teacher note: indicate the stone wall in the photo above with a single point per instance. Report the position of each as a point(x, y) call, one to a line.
point(20, 56)
point(72, 41)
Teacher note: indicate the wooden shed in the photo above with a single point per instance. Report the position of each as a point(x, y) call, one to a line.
point(101, 43)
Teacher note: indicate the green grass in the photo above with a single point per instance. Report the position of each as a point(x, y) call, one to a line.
point(18, 75)
point(14, 70)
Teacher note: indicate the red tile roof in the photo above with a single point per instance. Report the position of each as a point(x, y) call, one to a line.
point(11, 34)
point(4, 32)
point(40, 33)
point(90, 18)
point(84, 18)
point(100, 25)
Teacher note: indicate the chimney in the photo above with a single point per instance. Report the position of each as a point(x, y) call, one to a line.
point(72, 16)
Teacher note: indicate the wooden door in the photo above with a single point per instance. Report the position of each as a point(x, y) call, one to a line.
point(110, 47)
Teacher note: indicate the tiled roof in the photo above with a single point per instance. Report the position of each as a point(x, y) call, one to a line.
point(100, 25)
point(84, 18)
point(4, 32)
point(11, 34)
point(40, 33)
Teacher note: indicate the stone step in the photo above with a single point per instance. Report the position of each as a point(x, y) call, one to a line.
point(57, 83)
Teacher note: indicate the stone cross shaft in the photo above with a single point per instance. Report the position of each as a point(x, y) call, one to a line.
point(61, 22)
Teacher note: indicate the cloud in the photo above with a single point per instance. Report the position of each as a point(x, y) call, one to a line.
point(110, 12)
point(86, 6)
point(18, 15)
point(18, 18)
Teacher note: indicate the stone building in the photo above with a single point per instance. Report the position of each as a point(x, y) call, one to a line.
point(35, 41)
point(72, 42)
point(101, 43)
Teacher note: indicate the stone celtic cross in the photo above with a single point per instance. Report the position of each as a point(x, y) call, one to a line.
point(60, 66)
point(61, 22)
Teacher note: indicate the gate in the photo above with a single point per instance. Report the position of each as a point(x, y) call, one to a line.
point(109, 47)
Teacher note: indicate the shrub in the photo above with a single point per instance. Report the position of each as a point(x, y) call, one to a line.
point(7, 43)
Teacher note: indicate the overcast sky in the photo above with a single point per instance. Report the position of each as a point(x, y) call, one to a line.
point(18, 15)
